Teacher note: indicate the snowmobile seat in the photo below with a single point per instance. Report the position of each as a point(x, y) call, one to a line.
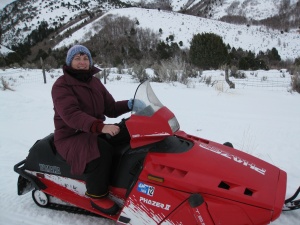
point(43, 157)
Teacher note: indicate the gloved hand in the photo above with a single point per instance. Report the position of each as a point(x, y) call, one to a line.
point(130, 103)
point(138, 104)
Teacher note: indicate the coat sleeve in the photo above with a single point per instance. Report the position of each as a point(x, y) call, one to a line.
point(67, 106)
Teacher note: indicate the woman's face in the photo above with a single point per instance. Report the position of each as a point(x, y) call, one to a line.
point(80, 62)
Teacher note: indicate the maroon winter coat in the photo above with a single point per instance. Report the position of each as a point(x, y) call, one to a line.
point(77, 105)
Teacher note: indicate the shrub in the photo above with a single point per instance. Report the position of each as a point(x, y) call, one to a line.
point(264, 78)
point(219, 86)
point(2, 62)
point(5, 85)
point(297, 61)
point(233, 71)
point(208, 80)
point(295, 80)
point(139, 72)
point(208, 51)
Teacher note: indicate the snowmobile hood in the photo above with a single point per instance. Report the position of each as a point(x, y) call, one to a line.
point(222, 172)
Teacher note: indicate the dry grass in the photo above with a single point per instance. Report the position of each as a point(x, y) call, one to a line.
point(5, 85)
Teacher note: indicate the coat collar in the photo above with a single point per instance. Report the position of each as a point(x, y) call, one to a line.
point(73, 81)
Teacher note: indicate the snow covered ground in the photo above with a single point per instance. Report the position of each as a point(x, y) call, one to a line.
point(263, 121)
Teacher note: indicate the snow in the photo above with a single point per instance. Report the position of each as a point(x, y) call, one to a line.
point(262, 121)
point(4, 3)
point(257, 9)
point(184, 27)
point(4, 50)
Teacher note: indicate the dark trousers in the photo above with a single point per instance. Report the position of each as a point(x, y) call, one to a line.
point(98, 172)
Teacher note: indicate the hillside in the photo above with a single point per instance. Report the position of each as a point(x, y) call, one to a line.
point(183, 27)
point(21, 18)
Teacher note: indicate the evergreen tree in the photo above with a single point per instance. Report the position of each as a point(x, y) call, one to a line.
point(166, 50)
point(297, 61)
point(2, 61)
point(13, 57)
point(171, 37)
point(0, 34)
point(41, 54)
point(273, 55)
point(39, 34)
point(244, 64)
point(22, 50)
point(208, 51)
point(252, 62)
point(163, 50)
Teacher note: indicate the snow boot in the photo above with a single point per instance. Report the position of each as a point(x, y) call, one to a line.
point(104, 204)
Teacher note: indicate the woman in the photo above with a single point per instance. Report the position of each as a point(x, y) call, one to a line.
point(81, 103)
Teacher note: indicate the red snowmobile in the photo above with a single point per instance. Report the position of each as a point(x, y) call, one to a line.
point(164, 176)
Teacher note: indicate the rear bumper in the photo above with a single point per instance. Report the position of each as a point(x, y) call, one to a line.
point(26, 181)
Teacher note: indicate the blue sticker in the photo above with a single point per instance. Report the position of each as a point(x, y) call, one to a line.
point(146, 189)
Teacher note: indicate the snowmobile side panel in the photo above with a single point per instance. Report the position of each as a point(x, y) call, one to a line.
point(70, 193)
point(195, 211)
point(149, 204)
point(224, 211)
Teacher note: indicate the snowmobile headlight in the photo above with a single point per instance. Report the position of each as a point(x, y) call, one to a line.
point(173, 123)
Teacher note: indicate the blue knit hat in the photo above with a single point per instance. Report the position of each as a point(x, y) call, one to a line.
point(76, 49)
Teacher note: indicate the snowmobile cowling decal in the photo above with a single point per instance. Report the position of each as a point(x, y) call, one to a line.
point(155, 203)
point(146, 189)
point(233, 157)
point(49, 169)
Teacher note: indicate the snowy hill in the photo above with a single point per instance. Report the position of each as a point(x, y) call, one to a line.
point(183, 27)
point(4, 50)
point(20, 18)
point(252, 9)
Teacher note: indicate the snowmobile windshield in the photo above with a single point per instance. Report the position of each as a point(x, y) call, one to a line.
point(145, 101)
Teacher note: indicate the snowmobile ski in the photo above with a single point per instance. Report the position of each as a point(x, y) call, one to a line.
point(292, 204)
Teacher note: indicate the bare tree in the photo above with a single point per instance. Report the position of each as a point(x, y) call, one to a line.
point(1, 34)
point(283, 14)
point(121, 41)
